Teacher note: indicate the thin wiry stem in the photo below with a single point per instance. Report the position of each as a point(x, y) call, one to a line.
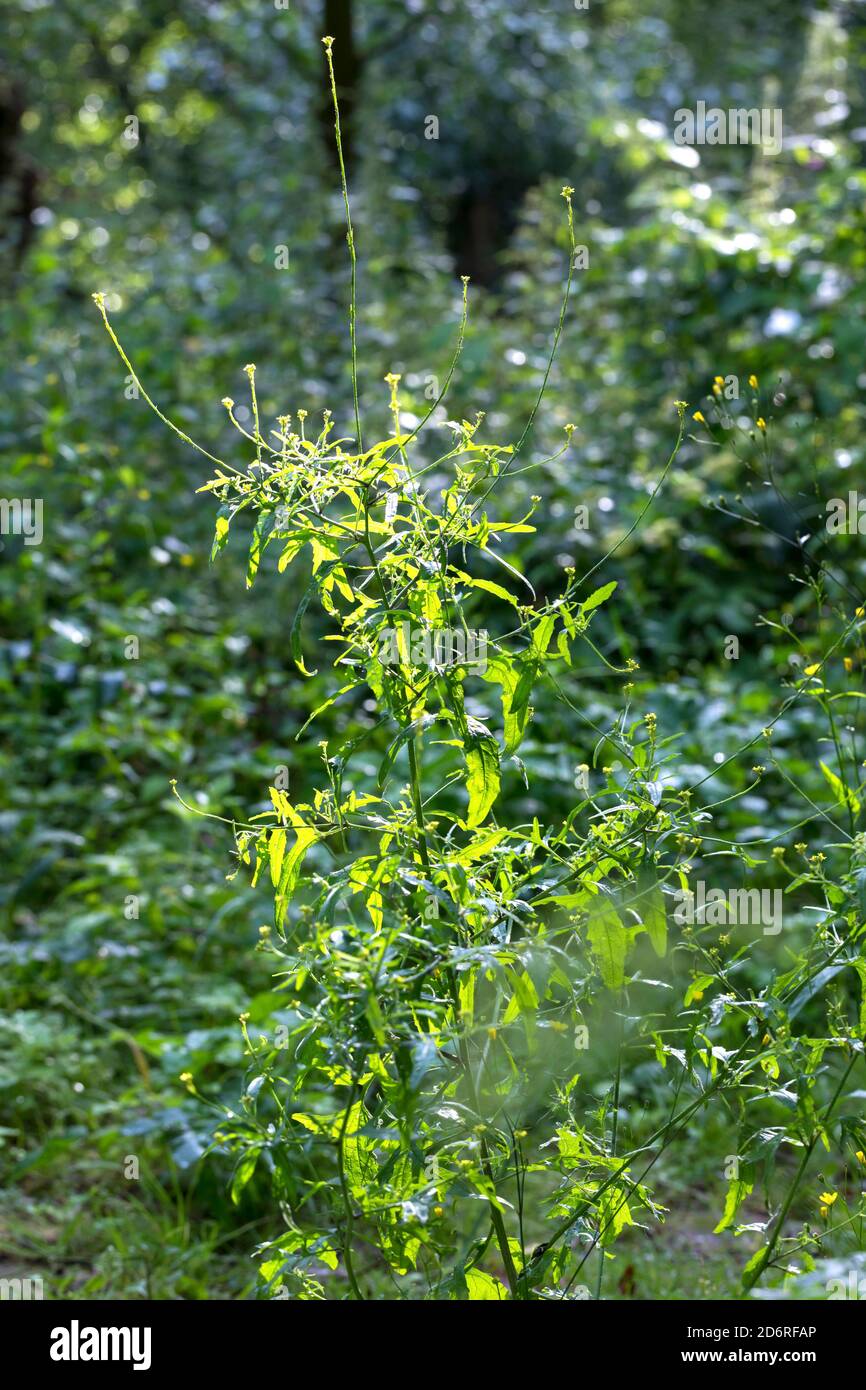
point(99, 301)
point(350, 236)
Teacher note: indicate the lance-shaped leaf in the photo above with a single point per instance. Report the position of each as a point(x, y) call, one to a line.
point(417, 726)
point(482, 765)
point(608, 940)
point(736, 1195)
point(502, 670)
point(295, 631)
point(305, 835)
point(651, 908)
point(261, 535)
point(599, 597)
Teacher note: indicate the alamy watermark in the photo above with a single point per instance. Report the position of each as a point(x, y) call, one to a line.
point(854, 1287)
point(734, 907)
point(712, 125)
point(77, 1343)
point(21, 1290)
point(846, 516)
point(22, 516)
point(433, 648)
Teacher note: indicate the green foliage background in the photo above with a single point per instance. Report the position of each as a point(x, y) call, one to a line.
point(739, 264)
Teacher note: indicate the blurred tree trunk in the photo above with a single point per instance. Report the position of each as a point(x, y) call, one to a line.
point(18, 177)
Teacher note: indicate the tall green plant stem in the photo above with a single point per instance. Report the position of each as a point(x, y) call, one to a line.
point(350, 237)
point(495, 1213)
point(614, 1129)
point(752, 1278)
point(347, 1201)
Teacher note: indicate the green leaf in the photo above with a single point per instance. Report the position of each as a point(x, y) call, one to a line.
point(276, 850)
point(305, 835)
point(599, 597)
point(755, 1263)
point(860, 966)
point(524, 1000)
point(263, 527)
point(844, 795)
point(608, 940)
point(697, 986)
point(483, 1287)
point(651, 907)
point(542, 634)
point(613, 1214)
point(737, 1192)
point(221, 535)
point(488, 586)
point(522, 690)
point(417, 726)
point(814, 987)
point(295, 631)
point(501, 670)
point(243, 1173)
point(482, 762)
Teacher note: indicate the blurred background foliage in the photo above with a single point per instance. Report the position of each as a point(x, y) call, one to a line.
point(718, 260)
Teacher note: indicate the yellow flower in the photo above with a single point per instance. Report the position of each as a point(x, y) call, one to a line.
point(698, 995)
point(858, 612)
point(828, 1198)
point(699, 416)
point(825, 1212)
point(810, 670)
point(753, 382)
point(848, 663)
point(438, 1211)
point(761, 422)
point(719, 380)
point(860, 1156)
